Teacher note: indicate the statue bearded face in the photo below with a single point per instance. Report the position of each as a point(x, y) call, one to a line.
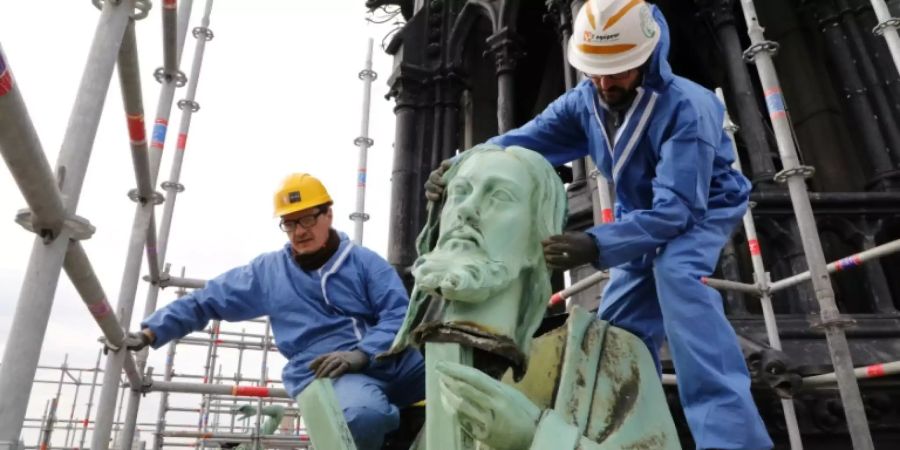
point(486, 233)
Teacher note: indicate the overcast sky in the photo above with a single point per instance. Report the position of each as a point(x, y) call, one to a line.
point(278, 92)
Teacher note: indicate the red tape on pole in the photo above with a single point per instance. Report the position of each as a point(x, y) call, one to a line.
point(6, 79)
point(607, 216)
point(182, 142)
point(556, 299)
point(250, 391)
point(136, 129)
point(754, 247)
point(876, 370)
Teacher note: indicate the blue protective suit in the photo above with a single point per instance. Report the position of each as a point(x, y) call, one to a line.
point(677, 202)
point(355, 301)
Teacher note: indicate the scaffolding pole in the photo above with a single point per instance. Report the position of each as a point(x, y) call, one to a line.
point(173, 186)
point(81, 273)
point(90, 404)
point(842, 264)
point(264, 374)
point(20, 146)
point(887, 28)
point(794, 174)
point(873, 371)
point(69, 429)
point(209, 376)
point(269, 441)
point(359, 217)
point(166, 280)
point(164, 398)
point(216, 389)
point(51, 411)
point(171, 54)
point(762, 281)
point(237, 377)
point(142, 227)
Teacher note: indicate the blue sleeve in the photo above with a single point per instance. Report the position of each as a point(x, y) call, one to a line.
point(389, 300)
point(556, 133)
point(680, 194)
point(233, 296)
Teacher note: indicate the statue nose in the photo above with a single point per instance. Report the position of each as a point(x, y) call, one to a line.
point(468, 211)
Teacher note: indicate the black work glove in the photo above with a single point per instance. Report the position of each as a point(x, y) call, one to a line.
point(134, 341)
point(434, 186)
point(570, 249)
point(335, 364)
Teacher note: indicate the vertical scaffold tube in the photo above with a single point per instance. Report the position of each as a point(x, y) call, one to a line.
point(170, 39)
point(888, 29)
point(359, 217)
point(760, 52)
point(762, 281)
point(141, 227)
point(90, 403)
point(29, 324)
point(173, 186)
point(54, 405)
point(164, 398)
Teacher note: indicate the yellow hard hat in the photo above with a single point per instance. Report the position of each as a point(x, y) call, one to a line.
point(299, 191)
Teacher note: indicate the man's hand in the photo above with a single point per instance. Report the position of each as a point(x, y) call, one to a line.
point(434, 186)
point(335, 364)
point(134, 341)
point(488, 410)
point(570, 249)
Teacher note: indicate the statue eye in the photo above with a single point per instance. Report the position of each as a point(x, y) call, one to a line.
point(459, 189)
point(503, 195)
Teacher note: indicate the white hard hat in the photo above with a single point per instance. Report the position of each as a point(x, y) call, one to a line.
point(612, 36)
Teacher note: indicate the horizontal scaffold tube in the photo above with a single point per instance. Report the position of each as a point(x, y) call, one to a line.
point(873, 371)
point(272, 440)
point(166, 280)
point(841, 264)
point(732, 285)
point(217, 389)
point(577, 287)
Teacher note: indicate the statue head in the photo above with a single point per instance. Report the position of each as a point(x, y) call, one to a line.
point(481, 254)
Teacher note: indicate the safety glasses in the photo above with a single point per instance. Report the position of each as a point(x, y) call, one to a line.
point(306, 222)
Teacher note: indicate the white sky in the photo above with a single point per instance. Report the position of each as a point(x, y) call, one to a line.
point(278, 92)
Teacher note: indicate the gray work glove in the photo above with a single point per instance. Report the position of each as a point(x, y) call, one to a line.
point(434, 186)
point(134, 341)
point(335, 364)
point(569, 250)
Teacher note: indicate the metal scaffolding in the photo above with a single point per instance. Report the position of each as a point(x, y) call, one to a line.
point(220, 397)
point(52, 201)
point(52, 198)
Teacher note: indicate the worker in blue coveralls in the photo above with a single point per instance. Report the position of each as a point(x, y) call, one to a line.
point(659, 137)
point(333, 305)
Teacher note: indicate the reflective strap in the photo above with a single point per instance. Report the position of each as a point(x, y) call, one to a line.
point(337, 265)
point(635, 136)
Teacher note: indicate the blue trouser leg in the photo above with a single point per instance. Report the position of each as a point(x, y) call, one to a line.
point(366, 408)
point(669, 300)
point(369, 400)
point(713, 382)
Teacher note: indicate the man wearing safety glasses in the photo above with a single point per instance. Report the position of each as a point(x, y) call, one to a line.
point(659, 138)
point(333, 305)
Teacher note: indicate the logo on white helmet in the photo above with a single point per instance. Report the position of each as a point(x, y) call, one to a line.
point(591, 38)
point(648, 24)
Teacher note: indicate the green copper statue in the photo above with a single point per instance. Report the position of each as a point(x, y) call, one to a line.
point(274, 414)
point(481, 292)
